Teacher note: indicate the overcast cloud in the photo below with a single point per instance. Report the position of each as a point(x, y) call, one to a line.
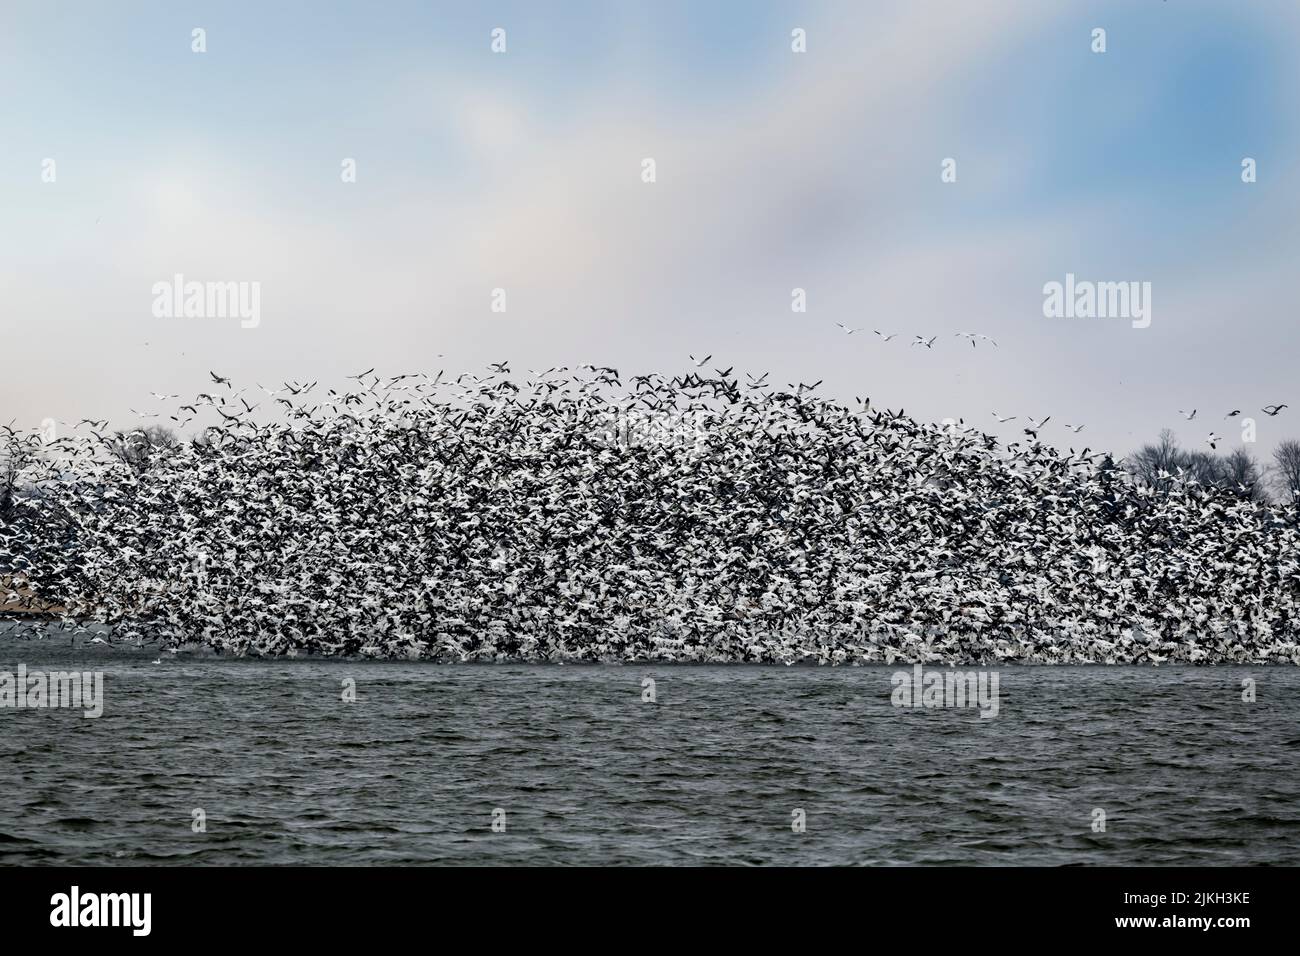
point(775, 170)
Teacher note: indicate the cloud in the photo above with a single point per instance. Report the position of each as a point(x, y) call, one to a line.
point(818, 170)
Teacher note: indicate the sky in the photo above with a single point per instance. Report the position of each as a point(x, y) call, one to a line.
point(775, 170)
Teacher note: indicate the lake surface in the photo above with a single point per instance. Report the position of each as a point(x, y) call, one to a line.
point(586, 772)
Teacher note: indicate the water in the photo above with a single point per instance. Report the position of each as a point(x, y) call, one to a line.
point(588, 773)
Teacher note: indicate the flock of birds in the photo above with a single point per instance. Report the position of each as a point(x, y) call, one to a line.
point(1212, 440)
point(920, 339)
point(578, 515)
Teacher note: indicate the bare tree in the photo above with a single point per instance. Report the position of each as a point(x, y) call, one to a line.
point(139, 447)
point(1201, 467)
point(1160, 464)
point(1154, 463)
point(15, 456)
point(1286, 476)
point(8, 484)
point(1241, 474)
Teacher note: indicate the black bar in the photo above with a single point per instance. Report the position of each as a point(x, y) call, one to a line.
point(329, 906)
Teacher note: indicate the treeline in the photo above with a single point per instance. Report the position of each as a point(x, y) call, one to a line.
point(25, 509)
point(1164, 462)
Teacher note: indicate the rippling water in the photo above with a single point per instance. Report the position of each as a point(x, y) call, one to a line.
point(587, 773)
